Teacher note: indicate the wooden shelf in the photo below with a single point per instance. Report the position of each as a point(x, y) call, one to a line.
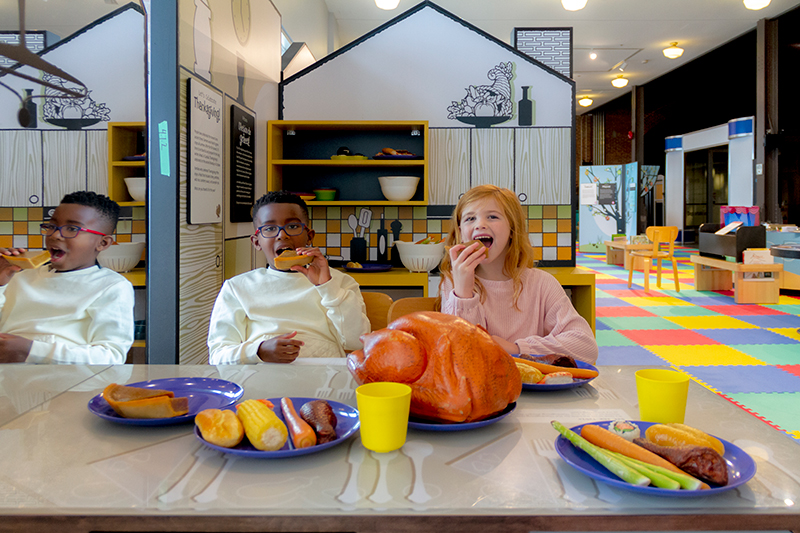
point(137, 277)
point(123, 140)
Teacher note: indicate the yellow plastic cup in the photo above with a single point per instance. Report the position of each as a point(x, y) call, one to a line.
point(383, 412)
point(662, 395)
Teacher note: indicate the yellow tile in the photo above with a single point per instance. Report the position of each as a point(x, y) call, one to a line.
point(649, 301)
point(124, 237)
point(21, 228)
point(549, 239)
point(6, 241)
point(6, 213)
point(782, 300)
point(319, 212)
point(787, 332)
point(669, 299)
point(405, 212)
point(138, 226)
point(35, 213)
point(334, 251)
point(710, 322)
point(333, 226)
point(420, 226)
point(319, 240)
point(35, 241)
point(537, 253)
point(446, 225)
point(534, 226)
point(703, 355)
point(564, 225)
point(550, 211)
point(602, 276)
point(564, 253)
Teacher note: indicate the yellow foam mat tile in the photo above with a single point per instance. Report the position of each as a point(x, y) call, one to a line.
point(787, 300)
point(650, 301)
point(704, 355)
point(604, 276)
point(710, 322)
point(792, 333)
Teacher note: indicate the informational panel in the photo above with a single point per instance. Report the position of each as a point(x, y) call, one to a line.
point(243, 170)
point(607, 204)
point(205, 154)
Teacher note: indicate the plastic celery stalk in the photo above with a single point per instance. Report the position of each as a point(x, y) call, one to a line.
point(685, 481)
point(616, 467)
point(659, 480)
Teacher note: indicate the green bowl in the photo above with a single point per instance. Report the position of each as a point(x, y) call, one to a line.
point(325, 195)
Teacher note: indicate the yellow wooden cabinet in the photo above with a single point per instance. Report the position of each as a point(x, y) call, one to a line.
point(123, 139)
point(299, 158)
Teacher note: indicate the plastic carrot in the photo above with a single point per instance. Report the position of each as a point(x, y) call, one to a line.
point(302, 434)
point(580, 373)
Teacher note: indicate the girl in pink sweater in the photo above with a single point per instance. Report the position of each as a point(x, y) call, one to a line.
point(493, 283)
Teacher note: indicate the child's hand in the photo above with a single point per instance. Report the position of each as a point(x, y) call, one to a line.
point(510, 347)
point(7, 270)
point(464, 261)
point(318, 271)
point(280, 349)
point(13, 348)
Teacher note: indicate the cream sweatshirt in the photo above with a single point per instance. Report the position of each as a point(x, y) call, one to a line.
point(264, 303)
point(545, 323)
point(83, 316)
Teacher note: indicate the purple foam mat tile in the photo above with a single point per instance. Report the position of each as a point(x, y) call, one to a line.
point(599, 326)
point(705, 301)
point(748, 336)
point(745, 379)
point(628, 355)
point(611, 302)
point(772, 321)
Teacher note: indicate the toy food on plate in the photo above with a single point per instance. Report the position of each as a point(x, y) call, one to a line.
point(529, 374)
point(473, 241)
point(302, 434)
point(320, 416)
point(682, 435)
point(353, 264)
point(392, 151)
point(625, 429)
point(264, 430)
point(144, 402)
point(700, 461)
point(577, 373)
point(220, 427)
point(29, 259)
point(556, 378)
point(290, 258)
point(555, 359)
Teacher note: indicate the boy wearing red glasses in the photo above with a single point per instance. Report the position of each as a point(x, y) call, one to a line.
point(69, 310)
point(275, 315)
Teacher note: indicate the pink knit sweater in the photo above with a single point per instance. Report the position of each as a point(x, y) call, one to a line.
point(545, 323)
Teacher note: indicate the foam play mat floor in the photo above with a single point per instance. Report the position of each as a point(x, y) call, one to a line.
point(749, 354)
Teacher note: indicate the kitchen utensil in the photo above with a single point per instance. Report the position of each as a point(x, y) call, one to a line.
point(352, 221)
point(381, 494)
point(364, 219)
point(417, 451)
point(355, 457)
point(210, 492)
point(383, 236)
point(348, 391)
point(326, 390)
point(176, 492)
point(546, 449)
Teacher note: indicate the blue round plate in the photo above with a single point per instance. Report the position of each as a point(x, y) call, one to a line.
point(376, 267)
point(203, 393)
point(450, 426)
point(741, 466)
point(559, 386)
point(347, 424)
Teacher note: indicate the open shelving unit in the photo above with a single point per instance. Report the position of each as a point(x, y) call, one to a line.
point(123, 140)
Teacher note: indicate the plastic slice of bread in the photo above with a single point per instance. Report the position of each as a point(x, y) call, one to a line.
point(289, 258)
point(143, 402)
point(29, 259)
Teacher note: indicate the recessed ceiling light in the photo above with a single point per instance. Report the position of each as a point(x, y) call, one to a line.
point(673, 51)
point(755, 5)
point(573, 5)
point(593, 55)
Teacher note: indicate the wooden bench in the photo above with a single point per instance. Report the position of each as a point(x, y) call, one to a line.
point(619, 253)
point(712, 274)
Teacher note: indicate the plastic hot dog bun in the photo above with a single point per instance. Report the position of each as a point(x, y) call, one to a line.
point(289, 258)
point(29, 259)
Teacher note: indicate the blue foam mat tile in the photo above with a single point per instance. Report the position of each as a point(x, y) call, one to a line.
point(738, 379)
point(708, 300)
point(599, 326)
point(627, 355)
point(749, 336)
point(772, 321)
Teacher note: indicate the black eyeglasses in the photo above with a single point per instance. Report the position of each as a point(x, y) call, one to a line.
point(68, 231)
point(270, 231)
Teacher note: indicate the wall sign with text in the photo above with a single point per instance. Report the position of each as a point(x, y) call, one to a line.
point(205, 128)
point(243, 169)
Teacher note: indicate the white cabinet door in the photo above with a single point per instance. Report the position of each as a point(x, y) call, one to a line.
point(64, 164)
point(448, 169)
point(493, 157)
point(542, 161)
point(97, 161)
point(21, 168)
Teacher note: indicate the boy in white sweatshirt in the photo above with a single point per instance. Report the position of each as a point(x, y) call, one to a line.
point(271, 315)
point(70, 310)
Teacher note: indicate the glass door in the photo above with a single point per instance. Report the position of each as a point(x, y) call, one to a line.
point(705, 186)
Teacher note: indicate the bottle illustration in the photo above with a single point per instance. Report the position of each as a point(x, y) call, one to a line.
point(526, 109)
point(383, 251)
point(30, 106)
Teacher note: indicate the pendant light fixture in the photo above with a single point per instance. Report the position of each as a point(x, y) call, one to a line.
point(573, 5)
point(585, 101)
point(673, 51)
point(388, 5)
point(619, 82)
point(755, 5)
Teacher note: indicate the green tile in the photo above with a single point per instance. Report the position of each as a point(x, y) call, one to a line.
point(607, 337)
point(139, 213)
point(434, 226)
point(681, 310)
point(772, 354)
point(534, 211)
point(33, 228)
point(124, 226)
point(549, 225)
point(6, 228)
point(602, 294)
point(420, 212)
point(565, 211)
point(333, 212)
point(782, 409)
point(392, 212)
point(319, 226)
point(791, 309)
point(20, 213)
point(639, 322)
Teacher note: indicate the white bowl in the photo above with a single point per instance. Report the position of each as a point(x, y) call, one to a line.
point(121, 257)
point(420, 257)
point(399, 188)
point(137, 188)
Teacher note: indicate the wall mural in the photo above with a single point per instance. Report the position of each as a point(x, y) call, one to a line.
point(485, 105)
point(69, 112)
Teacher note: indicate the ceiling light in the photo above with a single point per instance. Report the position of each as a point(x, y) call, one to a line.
point(755, 5)
point(619, 82)
point(573, 5)
point(388, 5)
point(585, 101)
point(673, 52)
point(623, 66)
point(593, 55)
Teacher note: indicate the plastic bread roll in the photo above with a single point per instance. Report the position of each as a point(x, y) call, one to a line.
point(222, 428)
point(29, 259)
point(142, 402)
point(466, 244)
point(289, 258)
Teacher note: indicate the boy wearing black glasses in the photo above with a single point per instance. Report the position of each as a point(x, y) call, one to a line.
point(70, 310)
point(275, 315)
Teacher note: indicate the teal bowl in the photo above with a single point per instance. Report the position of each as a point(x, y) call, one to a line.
point(325, 195)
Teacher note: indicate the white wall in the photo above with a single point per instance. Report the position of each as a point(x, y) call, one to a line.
point(306, 21)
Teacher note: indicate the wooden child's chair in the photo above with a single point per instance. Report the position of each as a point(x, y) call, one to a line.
point(657, 235)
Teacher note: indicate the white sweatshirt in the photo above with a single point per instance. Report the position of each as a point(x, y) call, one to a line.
point(264, 303)
point(83, 316)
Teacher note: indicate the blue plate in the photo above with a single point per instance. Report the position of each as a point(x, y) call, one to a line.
point(376, 267)
point(347, 424)
point(455, 426)
point(203, 393)
point(559, 386)
point(741, 466)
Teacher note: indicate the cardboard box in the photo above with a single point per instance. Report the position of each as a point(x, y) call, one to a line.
point(757, 256)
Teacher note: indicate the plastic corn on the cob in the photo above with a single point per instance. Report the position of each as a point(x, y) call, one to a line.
point(263, 428)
